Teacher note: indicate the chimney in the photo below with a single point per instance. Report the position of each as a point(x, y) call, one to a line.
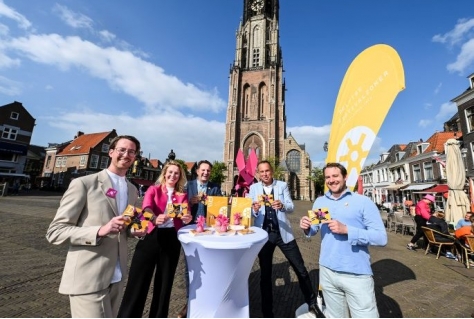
point(79, 133)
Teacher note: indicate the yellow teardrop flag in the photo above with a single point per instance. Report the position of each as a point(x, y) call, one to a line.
point(367, 92)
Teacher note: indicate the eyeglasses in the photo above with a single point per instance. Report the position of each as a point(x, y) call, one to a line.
point(122, 151)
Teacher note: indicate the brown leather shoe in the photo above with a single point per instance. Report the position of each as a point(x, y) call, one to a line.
point(184, 312)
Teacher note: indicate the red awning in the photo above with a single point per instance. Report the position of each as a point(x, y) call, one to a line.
point(442, 188)
point(144, 182)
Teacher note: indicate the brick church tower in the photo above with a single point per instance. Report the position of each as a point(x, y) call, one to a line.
point(256, 108)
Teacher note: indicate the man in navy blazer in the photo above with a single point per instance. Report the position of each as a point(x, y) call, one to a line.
point(270, 214)
point(199, 186)
point(196, 189)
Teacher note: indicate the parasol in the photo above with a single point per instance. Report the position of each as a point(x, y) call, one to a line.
point(458, 202)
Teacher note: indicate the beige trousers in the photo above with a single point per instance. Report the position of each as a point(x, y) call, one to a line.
point(100, 304)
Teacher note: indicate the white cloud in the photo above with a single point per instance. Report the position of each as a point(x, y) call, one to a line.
point(313, 137)
point(186, 137)
point(8, 12)
point(462, 35)
point(436, 91)
point(424, 123)
point(446, 111)
point(4, 30)
point(122, 70)
point(457, 35)
point(107, 36)
point(465, 58)
point(9, 87)
point(73, 19)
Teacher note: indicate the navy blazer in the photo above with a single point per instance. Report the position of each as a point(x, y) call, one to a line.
point(192, 190)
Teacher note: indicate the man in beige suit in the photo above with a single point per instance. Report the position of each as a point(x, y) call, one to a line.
point(89, 218)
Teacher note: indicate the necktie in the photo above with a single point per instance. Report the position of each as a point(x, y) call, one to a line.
point(200, 211)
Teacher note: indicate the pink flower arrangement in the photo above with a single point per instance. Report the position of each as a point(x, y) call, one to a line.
point(200, 224)
point(111, 193)
point(222, 222)
point(237, 218)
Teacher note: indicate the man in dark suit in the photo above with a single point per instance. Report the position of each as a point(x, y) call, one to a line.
point(197, 189)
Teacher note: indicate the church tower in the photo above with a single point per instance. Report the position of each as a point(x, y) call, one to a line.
point(256, 108)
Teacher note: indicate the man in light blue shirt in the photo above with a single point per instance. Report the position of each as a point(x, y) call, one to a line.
point(344, 263)
point(466, 221)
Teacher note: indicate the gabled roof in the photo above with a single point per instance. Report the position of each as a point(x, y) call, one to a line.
point(438, 139)
point(409, 149)
point(155, 163)
point(84, 143)
point(190, 165)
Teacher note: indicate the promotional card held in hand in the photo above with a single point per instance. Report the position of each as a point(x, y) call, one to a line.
point(177, 210)
point(319, 215)
point(265, 199)
point(136, 218)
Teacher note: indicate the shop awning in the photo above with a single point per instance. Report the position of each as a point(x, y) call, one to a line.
point(144, 182)
point(395, 186)
point(442, 188)
point(418, 187)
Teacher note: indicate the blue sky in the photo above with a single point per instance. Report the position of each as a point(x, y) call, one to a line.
point(159, 69)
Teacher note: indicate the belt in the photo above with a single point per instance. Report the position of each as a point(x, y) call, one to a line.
point(270, 229)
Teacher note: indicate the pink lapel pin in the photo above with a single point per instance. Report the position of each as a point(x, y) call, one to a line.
point(111, 193)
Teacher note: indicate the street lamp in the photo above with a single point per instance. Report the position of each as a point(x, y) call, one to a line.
point(325, 146)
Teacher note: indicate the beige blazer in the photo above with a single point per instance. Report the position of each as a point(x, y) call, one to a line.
point(83, 209)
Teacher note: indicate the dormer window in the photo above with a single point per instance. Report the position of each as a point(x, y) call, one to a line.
point(399, 156)
point(420, 148)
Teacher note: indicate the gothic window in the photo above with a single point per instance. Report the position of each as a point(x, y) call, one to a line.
point(246, 104)
point(256, 37)
point(253, 142)
point(261, 101)
point(293, 161)
point(256, 57)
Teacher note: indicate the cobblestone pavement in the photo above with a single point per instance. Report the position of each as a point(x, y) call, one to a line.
point(408, 283)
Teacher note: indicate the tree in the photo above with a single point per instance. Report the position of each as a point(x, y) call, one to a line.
point(278, 173)
point(317, 177)
point(217, 172)
point(183, 165)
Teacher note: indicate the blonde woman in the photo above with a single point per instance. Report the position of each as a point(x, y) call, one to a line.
point(159, 252)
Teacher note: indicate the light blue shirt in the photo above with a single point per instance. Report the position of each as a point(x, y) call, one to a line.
point(461, 223)
point(349, 252)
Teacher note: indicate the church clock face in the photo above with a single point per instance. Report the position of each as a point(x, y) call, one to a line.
point(257, 5)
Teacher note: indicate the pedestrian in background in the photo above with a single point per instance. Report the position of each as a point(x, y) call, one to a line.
point(422, 214)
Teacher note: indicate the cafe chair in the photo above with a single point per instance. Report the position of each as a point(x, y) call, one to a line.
point(385, 219)
point(397, 221)
point(408, 223)
point(467, 251)
point(448, 240)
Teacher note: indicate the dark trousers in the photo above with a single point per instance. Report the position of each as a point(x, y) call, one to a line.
point(158, 253)
point(420, 221)
point(293, 255)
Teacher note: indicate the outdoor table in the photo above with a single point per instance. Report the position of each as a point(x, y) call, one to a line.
point(219, 267)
